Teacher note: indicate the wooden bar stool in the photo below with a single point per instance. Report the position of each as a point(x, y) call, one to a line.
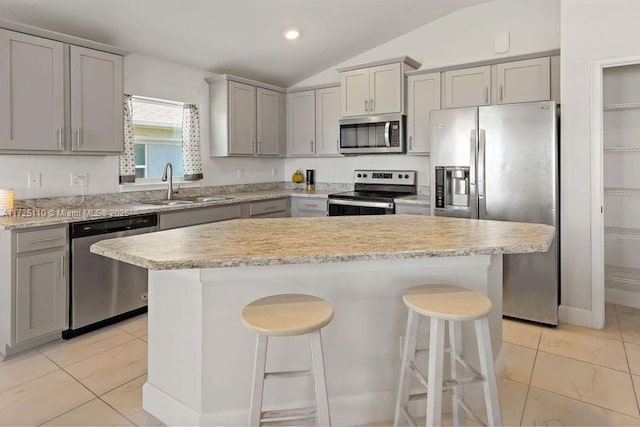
point(288, 315)
point(442, 304)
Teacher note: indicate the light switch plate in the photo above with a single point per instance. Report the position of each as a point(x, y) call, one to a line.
point(34, 180)
point(501, 42)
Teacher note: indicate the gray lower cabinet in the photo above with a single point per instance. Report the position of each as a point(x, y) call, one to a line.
point(40, 285)
point(275, 208)
point(41, 294)
point(308, 206)
point(412, 209)
point(186, 218)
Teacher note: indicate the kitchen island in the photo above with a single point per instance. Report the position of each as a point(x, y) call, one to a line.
point(201, 355)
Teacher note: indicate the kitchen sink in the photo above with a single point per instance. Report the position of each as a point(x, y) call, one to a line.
point(186, 200)
point(203, 199)
point(170, 202)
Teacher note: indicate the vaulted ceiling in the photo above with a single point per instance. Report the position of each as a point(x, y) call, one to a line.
point(237, 36)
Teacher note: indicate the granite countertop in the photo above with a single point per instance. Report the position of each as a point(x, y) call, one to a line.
point(54, 215)
point(260, 242)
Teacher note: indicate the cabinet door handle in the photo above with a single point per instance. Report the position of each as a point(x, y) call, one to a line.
point(486, 94)
point(410, 142)
point(311, 145)
point(372, 104)
point(366, 105)
point(78, 134)
point(62, 266)
point(500, 93)
point(60, 137)
point(260, 146)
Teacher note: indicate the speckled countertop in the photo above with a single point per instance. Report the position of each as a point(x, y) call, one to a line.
point(64, 214)
point(54, 215)
point(260, 242)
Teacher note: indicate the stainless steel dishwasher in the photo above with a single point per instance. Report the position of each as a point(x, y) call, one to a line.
point(103, 290)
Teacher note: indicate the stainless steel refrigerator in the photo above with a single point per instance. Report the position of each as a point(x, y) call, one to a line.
point(501, 163)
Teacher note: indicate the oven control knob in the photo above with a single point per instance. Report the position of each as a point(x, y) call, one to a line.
point(406, 176)
point(364, 176)
point(399, 176)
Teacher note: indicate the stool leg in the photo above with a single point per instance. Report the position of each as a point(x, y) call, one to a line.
point(455, 341)
point(434, 377)
point(410, 339)
point(255, 407)
point(319, 380)
point(492, 402)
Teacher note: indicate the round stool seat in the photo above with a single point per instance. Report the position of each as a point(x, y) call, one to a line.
point(287, 314)
point(447, 302)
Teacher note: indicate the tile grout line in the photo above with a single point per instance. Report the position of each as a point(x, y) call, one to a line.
point(635, 394)
point(107, 403)
point(92, 355)
point(526, 398)
point(586, 403)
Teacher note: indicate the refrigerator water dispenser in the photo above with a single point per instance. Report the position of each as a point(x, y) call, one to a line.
point(452, 187)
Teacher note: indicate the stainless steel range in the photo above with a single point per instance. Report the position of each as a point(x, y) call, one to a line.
point(374, 192)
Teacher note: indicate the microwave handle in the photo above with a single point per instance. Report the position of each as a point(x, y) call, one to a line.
point(387, 128)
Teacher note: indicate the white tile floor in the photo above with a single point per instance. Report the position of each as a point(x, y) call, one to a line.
point(564, 376)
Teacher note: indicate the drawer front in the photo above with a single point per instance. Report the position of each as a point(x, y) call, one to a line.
point(190, 217)
point(281, 214)
point(267, 207)
point(27, 241)
point(413, 209)
point(309, 204)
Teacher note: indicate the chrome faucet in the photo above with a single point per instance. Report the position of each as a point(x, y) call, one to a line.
point(167, 173)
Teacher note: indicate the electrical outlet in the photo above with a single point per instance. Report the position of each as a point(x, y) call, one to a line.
point(240, 172)
point(34, 180)
point(79, 179)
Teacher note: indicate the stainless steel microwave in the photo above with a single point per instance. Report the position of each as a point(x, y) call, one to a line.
point(373, 134)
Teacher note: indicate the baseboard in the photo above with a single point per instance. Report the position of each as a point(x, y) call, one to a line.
point(345, 411)
point(622, 297)
point(575, 316)
point(167, 409)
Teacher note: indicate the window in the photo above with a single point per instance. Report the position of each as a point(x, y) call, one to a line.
point(157, 134)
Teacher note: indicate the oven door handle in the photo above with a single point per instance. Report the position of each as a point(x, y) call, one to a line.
point(360, 203)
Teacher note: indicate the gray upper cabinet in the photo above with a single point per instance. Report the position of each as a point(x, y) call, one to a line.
point(268, 121)
point(327, 116)
point(242, 119)
point(524, 81)
point(385, 89)
point(31, 93)
point(374, 88)
point(34, 87)
point(423, 96)
point(301, 123)
point(468, 87)
point(355, 92)
point(246, 117)
point(96, 101)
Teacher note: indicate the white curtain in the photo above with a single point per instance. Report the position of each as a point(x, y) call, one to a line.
point(128, 157)
point(191, 153)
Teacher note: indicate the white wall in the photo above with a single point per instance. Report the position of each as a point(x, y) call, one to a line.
point(467, 35)
point(461, 37)
point(591, 30)
point(143, 76)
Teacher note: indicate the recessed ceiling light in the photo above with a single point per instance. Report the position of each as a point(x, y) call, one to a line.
point(291, 34)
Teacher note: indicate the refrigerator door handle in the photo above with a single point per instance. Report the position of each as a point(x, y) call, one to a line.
point(473, 194)
point(482, 201)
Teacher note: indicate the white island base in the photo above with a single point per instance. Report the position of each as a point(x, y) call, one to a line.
point(201, 355)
